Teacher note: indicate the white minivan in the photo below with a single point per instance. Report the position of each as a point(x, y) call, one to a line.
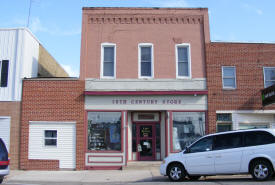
point(235, 152)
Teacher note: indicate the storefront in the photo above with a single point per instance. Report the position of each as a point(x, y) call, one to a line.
point(124, 128)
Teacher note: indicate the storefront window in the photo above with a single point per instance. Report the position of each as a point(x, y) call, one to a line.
point(187, 127)
point(104, 131)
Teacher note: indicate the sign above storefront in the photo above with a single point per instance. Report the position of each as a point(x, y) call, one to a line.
point(268, 95)
point(150, 102)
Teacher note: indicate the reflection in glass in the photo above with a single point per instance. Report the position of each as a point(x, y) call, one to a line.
point(146, 146)
point(187, 127)
point(104, 131)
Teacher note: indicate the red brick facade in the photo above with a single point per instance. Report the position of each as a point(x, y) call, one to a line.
point(249, 60)
point(52, 100)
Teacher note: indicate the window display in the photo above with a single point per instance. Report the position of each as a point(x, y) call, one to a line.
point(187, 127)
point(104, 131)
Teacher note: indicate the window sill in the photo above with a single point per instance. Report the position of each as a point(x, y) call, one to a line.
point(228, 88)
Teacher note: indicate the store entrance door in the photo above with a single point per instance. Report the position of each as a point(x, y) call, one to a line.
point(146, 142)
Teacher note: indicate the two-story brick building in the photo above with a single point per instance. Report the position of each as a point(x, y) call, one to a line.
point(236, 74)
point(144, 97)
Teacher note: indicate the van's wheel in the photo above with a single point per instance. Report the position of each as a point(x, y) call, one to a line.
point(261, 170)
point(176, 172)
point(194, 178)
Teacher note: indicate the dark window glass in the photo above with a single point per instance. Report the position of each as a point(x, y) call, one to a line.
point(224, 127)
point(227, 141)
point(146, 61)
point(224, 117)
point(4, 73)
point(134, 145)
point(158, 137)
point(104, 131)
point(258, 138)
point(202, 145)
point(50, 137)
point(146, 131)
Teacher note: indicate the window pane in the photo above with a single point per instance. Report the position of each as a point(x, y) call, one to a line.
point(182, 54)
point(269, 83)
point(134, 145)
point(243, 126)
point(224, 117)
point(227, 141)
point(104, 131)
point(145, 69)
point(187, 127)
point(229, 82)
point(258, 138)
point(51, 133)
point(146, 131)
point(223, 127)
point(228, 72)
point(4, 73)
point(183, 69)
point(202, 145)
point(108, 69)
point(50, 142)
point(269, 74)
point(145, 54)
point(109, 54)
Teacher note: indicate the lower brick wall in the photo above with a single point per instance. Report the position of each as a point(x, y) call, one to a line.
point(52, 100)
point(12, 109)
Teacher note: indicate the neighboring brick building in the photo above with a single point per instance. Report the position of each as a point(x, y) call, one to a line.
point(21, 56)
point(51, 109)
point(236, 74)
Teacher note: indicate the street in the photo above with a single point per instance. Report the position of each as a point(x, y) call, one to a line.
point(216, 180)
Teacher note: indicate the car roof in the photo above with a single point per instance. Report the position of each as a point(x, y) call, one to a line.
point(270, 130)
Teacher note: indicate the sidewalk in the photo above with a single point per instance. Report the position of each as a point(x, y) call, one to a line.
point(85, 176)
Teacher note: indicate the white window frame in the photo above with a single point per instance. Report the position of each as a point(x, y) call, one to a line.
point(264, 74)
point(52, 138)
point(139, 59)
point(188, 46)
point(235, 76)
point(102, 60)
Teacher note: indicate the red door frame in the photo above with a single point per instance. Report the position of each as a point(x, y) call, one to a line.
point(153, 138)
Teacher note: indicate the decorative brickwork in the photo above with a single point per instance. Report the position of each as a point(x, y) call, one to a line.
point(52, 100)
point(249, 60)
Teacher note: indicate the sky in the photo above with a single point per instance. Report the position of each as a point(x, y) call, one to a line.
point(57, 23)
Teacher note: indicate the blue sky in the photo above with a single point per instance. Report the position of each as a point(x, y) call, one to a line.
point(57, 23)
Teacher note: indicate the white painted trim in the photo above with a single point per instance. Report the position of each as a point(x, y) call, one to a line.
point(102, 58)
point(68, 122)
point(187, 45)
point(264, 73)
point(247, 111)
point(235, 76)
point(152, 60)
point(5, 117)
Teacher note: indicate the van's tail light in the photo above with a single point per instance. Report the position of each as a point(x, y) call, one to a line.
point(4, 163)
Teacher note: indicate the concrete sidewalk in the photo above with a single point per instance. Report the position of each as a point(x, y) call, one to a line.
point(85, 176)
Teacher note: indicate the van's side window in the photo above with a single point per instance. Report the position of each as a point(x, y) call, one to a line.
point(258, 138)
point(227, 141)
point(202, 145)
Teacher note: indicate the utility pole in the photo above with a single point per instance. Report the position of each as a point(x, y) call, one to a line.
point(28, 23)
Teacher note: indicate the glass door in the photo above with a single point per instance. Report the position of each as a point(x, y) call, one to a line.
point(146, 142)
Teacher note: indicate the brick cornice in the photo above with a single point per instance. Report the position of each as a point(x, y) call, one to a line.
point(144, 19)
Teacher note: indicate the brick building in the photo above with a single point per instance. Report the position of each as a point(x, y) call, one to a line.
point(21, 56)
point(236, 74)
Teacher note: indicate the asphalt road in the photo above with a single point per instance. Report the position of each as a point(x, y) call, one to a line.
point(162, 181)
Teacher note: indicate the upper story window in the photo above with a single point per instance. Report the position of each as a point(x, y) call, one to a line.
point(4, 69)
point(146, 62)
point(108, 60)
point(229, 77)
point(183, 61)
point(269, 76)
